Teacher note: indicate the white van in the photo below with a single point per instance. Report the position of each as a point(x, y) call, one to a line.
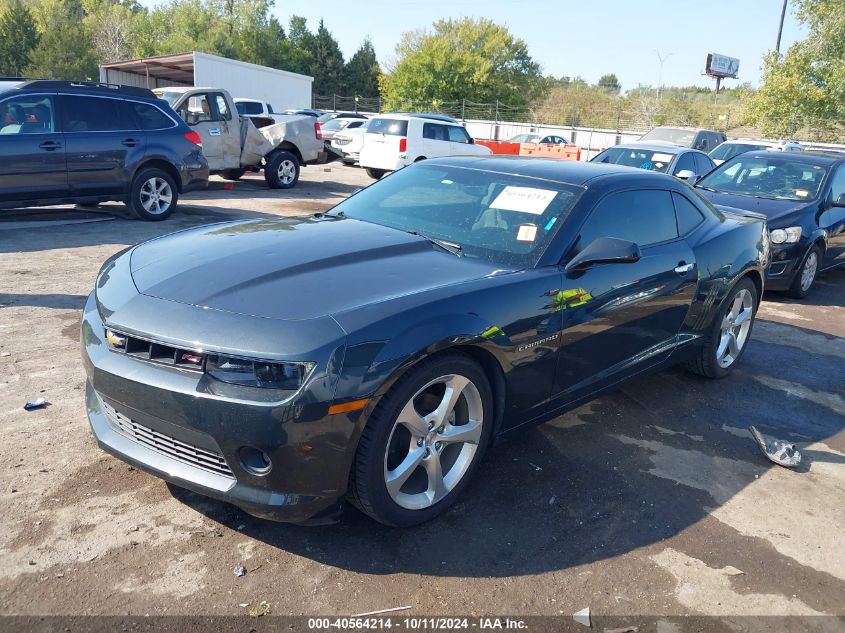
point(395, 140)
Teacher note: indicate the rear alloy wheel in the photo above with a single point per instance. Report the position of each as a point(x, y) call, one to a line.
point(281, 170)
point(806, 275)
point(423, 442)
point(725, 344)
point(375, 173)
point(153, 195)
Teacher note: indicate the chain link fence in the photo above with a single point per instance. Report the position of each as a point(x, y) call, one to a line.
point(637, 117)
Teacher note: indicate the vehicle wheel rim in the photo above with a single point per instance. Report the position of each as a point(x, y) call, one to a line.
point(808, 273)
point(433, 442)
point(735, 327)
point(287, 171)
point(156, 196)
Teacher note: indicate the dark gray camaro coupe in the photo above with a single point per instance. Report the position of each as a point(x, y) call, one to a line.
point(373, 352)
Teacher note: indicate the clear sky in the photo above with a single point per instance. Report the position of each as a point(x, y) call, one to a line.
point(577, 37)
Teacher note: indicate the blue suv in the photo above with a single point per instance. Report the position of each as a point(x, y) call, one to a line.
point(83, 143)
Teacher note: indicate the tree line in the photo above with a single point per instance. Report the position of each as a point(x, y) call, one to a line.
point(454, 61)
point(68, 39)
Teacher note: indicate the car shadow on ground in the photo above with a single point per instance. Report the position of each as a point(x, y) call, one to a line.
point(637, 466)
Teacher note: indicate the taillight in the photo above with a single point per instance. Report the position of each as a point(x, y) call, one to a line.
point(403, 144)
point(317, 131)
point(194, 137)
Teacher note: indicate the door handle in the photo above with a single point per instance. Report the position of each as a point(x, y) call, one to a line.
point(50, 145)
point(683, 267)
point(130, 142)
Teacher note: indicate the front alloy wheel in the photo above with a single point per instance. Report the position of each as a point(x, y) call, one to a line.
point(423, 441)
point(433, 442)
point(806, 276)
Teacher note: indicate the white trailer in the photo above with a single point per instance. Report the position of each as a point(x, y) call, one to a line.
point(280, 88)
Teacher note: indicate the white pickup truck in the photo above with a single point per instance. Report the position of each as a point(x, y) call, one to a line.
point(233, 145)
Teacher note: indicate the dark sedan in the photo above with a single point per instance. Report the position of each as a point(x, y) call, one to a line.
point(803, 196)
point(373, 352)
point(682, 162)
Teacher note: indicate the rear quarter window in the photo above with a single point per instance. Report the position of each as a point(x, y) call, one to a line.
point(150, 117)
point(392, 127)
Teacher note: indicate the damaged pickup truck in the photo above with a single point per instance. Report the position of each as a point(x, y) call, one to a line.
point(233, 145)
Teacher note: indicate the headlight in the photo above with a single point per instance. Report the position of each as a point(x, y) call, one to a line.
point(257, 373)
point(786, 236)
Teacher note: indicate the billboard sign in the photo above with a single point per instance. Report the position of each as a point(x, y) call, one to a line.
point(721, 66)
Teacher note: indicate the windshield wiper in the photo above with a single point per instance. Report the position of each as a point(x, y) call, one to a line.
point(706, 188)
point(449, 247)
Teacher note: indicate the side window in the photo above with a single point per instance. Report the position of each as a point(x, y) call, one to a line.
point(457, 134)
point(435, 132)
point(151, 118)
point(704, 143)
point(643, 217)
point(689, 216)
point(837, 183)
point(96, 114)
point(196, 109)
point(686, 161)
point(27, 115)
point(705, 164)
point(223, 108)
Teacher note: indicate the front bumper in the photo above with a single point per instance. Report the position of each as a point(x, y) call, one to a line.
point(161, 420)
point(786, 260)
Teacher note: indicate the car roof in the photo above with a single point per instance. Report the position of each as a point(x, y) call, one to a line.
point(572, 172)
point(83, 87)
point(812, 157)
point(433, 116)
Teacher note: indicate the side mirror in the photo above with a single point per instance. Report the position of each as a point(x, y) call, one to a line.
point(471, 141)
point(604, 250)
point(840, 201)
point(688, 175)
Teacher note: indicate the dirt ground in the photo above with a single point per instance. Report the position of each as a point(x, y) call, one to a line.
point(650, 502)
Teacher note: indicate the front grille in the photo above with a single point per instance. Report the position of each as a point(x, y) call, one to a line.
point(209, 461)
point(154, 352)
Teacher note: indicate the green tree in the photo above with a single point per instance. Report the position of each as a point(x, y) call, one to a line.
point(327, 65)
point(64, 50)
point(470, 58)
point(610, 83)
point(362, 71)
point(806, 86)
point(18, 37)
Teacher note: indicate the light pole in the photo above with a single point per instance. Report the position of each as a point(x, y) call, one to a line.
point(662, 59)
point(780, 28)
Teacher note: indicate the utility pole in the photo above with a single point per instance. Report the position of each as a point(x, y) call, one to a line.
point(662, 59)
point(780, 28)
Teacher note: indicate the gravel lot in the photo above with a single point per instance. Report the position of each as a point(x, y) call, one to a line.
point(634, 505)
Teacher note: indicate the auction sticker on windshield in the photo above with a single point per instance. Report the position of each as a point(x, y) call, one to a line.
point(661, 158)
point(526, 232)
point(524, 199)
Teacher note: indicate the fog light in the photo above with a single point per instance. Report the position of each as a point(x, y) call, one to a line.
point(254, 461)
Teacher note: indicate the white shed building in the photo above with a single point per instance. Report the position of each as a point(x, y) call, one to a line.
point(282, 89)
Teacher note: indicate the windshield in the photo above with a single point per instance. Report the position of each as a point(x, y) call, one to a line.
point(335, 124)
point(654, 160)
point(777, 178)
point(729, 150)
point(170, 97)
point(671, 135)
point(525, 138)
point(505, 219)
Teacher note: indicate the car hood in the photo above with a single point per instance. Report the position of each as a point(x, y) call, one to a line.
point(774, 210)
point(294, 268)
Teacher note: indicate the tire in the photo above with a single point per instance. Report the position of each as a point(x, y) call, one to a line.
point(806, 275)
point(375, 174)
point(281, 170)
point(232, 174)
point(387, 444)
point(153, 195)
point(716, 361)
